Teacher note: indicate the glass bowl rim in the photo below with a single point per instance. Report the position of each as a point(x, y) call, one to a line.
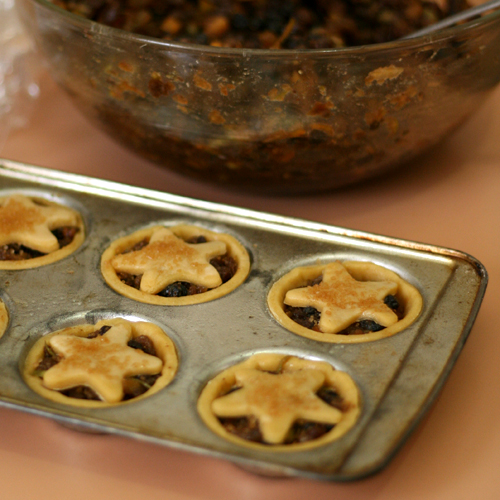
point(207, 50)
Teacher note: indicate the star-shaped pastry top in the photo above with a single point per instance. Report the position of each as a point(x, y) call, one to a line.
point(277, 401)
point(100, 363)
point(167, 259)
point(342, 300)
point(23, 221)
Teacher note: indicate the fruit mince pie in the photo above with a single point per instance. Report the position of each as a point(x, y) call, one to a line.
point(104, 364)
point(344, 302)
point(280, 402)
point(35, 232)
point(176, 265)
point(4, 318)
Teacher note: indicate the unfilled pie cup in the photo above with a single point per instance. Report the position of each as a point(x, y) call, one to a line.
point(280, 402)
point(177, 265)
point(35, 231)
point(346, 302)
point(109, 363)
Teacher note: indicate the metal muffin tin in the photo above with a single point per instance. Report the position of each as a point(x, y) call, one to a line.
point(399, 377)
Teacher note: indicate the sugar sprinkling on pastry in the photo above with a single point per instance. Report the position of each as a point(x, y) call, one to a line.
point(176, 265)
point(277, 400)
point(342, 300)
point(24, 222)
point(167, 259)
point(100, 363)
point(280, 402)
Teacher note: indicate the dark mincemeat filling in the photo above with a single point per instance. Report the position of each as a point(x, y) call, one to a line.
point(280, 24)
point(309, 317)
point(132, 386)
point(302, 430)
point(13, 251)
point(225, 265)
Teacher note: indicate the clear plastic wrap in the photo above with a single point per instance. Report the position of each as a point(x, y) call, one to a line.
point(18, 72)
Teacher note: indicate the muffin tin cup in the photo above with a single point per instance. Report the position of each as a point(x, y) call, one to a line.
point(397, 377)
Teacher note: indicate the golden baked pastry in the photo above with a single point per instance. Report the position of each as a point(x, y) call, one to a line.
point(100, 365)
point(4, 318)
point(344, 302)
point(177, 265)
point(35, 232)
point(280, 402)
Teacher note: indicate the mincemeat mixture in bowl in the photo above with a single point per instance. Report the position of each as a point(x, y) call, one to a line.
point(269, 95)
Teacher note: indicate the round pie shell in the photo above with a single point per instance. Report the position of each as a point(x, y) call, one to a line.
point(53, 256)
point(223, 382)
point(361, 271)
point(234, 248)
point(165, 350)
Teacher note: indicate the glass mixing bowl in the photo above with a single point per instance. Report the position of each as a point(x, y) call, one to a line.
point(273, 121)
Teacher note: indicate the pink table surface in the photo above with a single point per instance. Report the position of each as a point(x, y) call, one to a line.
point(449, 197)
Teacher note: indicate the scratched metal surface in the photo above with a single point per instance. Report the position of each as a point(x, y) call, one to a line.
point(398, 377)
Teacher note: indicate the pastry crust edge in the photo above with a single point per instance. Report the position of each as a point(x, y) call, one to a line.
point(184, 231)
point(4, 318)
point(222, 382)
point(44, 260)
point(362, 271)
point(164, 346)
